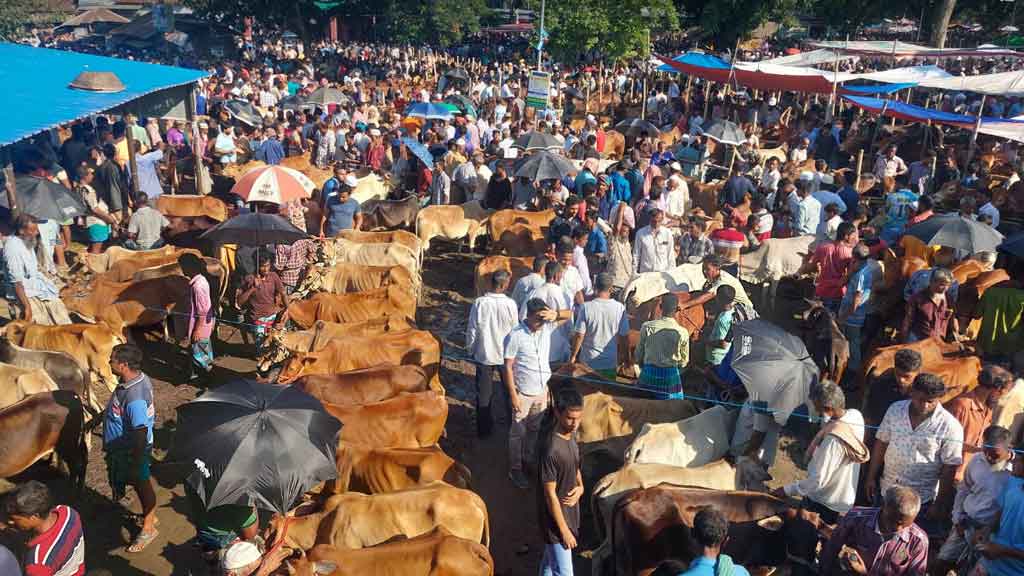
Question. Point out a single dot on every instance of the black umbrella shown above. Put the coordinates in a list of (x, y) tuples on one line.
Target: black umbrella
[(44, 199), (1014, 245), (464, 104), (295, 102), (325, 95), (254, 443), (573, 92), (544, 166), (773, 365), (254, 229), (633, 127), (457, 74), (726, 132), (244, 112), (954, 231), (534, 140)]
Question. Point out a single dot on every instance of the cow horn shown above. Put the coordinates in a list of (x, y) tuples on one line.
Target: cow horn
[(771, 523)]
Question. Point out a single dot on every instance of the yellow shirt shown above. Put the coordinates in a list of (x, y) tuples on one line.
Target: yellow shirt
[(663, 343)]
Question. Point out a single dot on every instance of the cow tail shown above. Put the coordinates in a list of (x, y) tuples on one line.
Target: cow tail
[(71, 446)]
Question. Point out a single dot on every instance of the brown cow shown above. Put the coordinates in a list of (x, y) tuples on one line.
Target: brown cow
[(89, 344), (345, 277), (125, 270), (18, 383), (614, 145), (391, 213), (357, 387), (100, 263), (521, 240), (41, 424), (409, 420), (354, 307), (120, 305), (214, 271), (354, 520), (452, 222), (281, 344), (960, 373), (381, 470), (62, 368), (403, 237), (504, 219), (192, 207), (436, 553), (517, 267)]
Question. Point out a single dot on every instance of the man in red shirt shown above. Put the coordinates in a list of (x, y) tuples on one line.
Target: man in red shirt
[(832, 260), (928, 312), (729, 242), (57, 544)]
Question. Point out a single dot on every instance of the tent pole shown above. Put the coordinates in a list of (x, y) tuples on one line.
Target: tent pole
[(190, 116), (732, 160), (133, 182), (974, 133), (835, 87), (707, 98), (860, 166), (931, 181), (874, 135)]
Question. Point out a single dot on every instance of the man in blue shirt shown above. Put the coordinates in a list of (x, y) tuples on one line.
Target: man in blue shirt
[(271, 151), (1004, 553), (128, 437), (341, 211), (856, 302), (710, 529), (620, 190)]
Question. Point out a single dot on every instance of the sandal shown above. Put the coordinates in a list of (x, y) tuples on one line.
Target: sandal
[(141, 541)]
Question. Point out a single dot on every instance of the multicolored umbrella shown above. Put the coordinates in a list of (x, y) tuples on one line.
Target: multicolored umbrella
[(463, 104), (274, 184), (429, 111)]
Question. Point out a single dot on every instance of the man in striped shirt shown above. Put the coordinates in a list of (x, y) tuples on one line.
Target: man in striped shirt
[(57, 544), (728, 242)]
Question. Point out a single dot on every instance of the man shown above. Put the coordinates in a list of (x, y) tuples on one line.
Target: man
[(148, 166), (652, 248), (341, 211), (710, 531), (663, 351), (57, 544), (291, 261), (200, 317), (798, 155), (806, 211), (573, 281), (977, 497), (889, 165), (565, 223), (30, 295), (728, 243), (694, 245), (856, 302), (892, 386), (836, 455), (560, 301), (1003, 554), (920, 445), (440, 186), (527, 284), (491, 318), (243, 558), (527, 349), (832, 260), (929, 312), (271, 151), (973, 409), (108, 182), (714, 278), (879, 540), (601, 329), (677, 196), (561, 481), (128, 437), (146, 225), (262, 296), (736, 189)]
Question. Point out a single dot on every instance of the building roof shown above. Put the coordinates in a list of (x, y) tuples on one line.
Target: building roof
[(95, 16), (43, 101)]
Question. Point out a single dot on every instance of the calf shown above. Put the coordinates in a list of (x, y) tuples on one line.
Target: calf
[(100, 263), (89, 344), (403, 237), (695, 441), (382, 470), (449, 222), (517, 267), (62, 368), (502, 220), (358, 387), (126, 269), (121, 305), (41, 424), (214, 271), (354, 307), (411, 420), (521, 240)]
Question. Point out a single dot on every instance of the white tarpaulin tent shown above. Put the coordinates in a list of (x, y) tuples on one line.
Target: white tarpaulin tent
[(899, 49), (998, 84), (812, 58)]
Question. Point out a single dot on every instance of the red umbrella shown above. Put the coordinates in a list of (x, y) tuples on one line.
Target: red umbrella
[(792, 51), (274, 184)]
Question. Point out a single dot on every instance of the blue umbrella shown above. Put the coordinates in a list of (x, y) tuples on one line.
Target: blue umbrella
[(429, 111), (1014, 245), (419, 150)]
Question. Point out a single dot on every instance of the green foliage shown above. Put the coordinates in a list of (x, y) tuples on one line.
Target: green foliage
[(615, 29), (18, 15)]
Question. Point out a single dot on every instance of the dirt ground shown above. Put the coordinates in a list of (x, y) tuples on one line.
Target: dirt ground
[(448, 292)]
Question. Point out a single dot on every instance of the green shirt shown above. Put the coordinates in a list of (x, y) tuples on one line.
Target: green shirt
[(663, 343)]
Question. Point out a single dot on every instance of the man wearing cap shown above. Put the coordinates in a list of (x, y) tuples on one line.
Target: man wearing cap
[(340, 210), (243, 558), (663, 351)]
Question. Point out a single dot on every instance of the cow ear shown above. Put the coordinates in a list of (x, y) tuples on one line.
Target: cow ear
[(324, 567), (771, 523)]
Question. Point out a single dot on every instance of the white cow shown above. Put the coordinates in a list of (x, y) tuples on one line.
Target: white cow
[(774, 260), (696, 441), (648, 285)]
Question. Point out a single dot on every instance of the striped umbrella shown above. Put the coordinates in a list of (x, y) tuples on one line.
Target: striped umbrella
[(274, 184)]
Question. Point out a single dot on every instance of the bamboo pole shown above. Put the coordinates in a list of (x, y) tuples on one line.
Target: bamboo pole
[(860, 166), (974, 133), (707, 98)]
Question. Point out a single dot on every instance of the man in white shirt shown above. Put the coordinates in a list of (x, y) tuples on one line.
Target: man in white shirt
[(600, 328), (653, 249), (558, 299), (573, 282), (491, 318), (889, 165), (988, 209), (527, 284), (835, 456), (678, 192)]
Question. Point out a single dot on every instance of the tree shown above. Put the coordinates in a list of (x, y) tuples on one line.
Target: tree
[(19, 15), (615, 29), (726, 21), (940, 22)]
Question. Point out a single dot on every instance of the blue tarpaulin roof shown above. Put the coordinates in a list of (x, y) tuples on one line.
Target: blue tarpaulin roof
[(696, 59), (1001, 127), (877, 88), (36, 95)]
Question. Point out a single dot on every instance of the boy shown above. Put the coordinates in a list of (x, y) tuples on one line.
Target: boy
[(57, 544), (562, 484)]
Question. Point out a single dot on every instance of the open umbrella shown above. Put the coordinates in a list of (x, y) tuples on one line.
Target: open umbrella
[(254, 229), (274, 184), (544, 166), (573, 92), (244, 112), (44, 199), (634, 127), (294, 102), (457, 74), (1014, 245), (954, 231), (419, 150), (464, 104), (534, 140), (428, 110), (325, 95), (256, 444), (773, 365), (726, 132)]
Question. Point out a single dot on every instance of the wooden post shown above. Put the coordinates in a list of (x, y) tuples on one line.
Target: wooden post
[(835, 89), (686, 96), (931, 181), (190, 117), (133, 167), (974, 133), (860, 165), (643, 100), (707, 99)]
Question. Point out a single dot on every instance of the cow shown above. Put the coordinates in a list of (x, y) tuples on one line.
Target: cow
[(121, 305), (825, 341), (380, 470), (647, 286), (450, 222), (415, 347), (403, 237), (959, 373), (502, 220), (342, 250), (281, 344), (62, 368), (614, 145), (17, 383), (691, 442), (775, 259), (125, 270), (192, 207), (357, 387), (689, 316), (521, 240), (369, 188), (41, 424), (353, 520), (390, 214), (353, 307), (214, 271), (517, 267), (409, 420), (435, 553), (100, 263), (346, 277), (89, 344)]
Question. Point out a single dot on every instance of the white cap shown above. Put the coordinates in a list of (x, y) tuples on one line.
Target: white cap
[(461, 142), (827, 179), (511, 153), (374, 132), (806, 176), (772, 101), (239, 555), (351, 181), (675, 166)]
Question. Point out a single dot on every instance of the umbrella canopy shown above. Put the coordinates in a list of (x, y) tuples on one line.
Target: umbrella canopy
[(243, 111), (1014, 245), (953, 231), (544, 166), (634, 127), (274, 184), (573, 92), (419, 150), (457, 74), (726, 132), (44, 199), (325, 95), (255, 443), (294, 102), (428, 110), (773, 365), (464, 104), (534, 140), (254, 229)]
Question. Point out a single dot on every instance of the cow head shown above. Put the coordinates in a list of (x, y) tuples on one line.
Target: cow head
[(274, 351), (295, 367), (303, 566), (751, 474)]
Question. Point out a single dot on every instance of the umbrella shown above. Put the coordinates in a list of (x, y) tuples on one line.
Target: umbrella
[(256, 443), (954, 231), (544, 166), (274, 184), (428, 110), (633, 127), (457, 74), (44, 199), (419, 150), (243, 111), (295, 102), (465, 105), (573, 92), (325, 95), (726, 132), (534, 140), (773, 365), (1014, 245), (254, 229)]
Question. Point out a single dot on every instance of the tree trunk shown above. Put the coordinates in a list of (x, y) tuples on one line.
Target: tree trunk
[(941, 14)]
